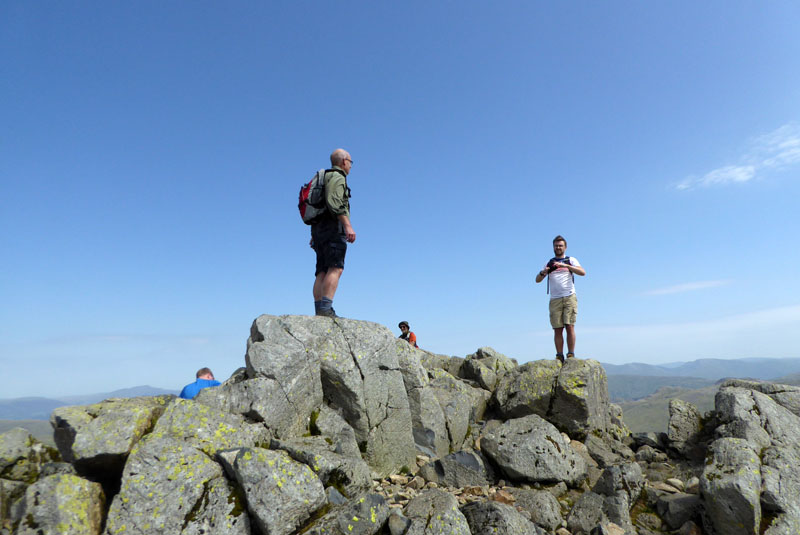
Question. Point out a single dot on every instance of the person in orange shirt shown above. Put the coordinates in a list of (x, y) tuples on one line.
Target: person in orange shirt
[(407, 335)]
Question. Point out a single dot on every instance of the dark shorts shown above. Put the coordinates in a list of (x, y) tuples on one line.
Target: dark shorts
[(330, 245)]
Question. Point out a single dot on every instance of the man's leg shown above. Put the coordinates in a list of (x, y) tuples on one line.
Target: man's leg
[(570, 339), (330, 282), (318, 286), (558, 338)]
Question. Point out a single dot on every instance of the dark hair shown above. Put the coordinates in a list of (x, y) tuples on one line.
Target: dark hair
[(559, 238), (403, 323), (203, 371)]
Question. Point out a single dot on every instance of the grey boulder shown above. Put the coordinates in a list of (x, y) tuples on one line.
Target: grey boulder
[(677, 509), (526, 389), (731, 487), (461, 469), (281, 494), (164, 484), (22, 456), (542, 507), (486, 366), (586, 513), (364, 515), (329, 424), (684, 426), (786, 396), (98, 438), (581, 404), (460, 403), (60, 504), (428, 422), (755, 417), (490, 518), (532, 449), (360, 376), (208, 428), (350, 475), (435, 512)]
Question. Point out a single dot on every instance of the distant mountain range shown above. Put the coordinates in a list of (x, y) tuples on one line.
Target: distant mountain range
[(36, 408), (764, 369)]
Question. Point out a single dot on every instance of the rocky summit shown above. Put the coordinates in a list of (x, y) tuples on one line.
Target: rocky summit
[(333, 426)]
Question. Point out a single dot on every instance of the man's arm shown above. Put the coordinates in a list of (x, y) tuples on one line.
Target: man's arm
[(540, 276), (350, 234), (577, 270), (336, 197)]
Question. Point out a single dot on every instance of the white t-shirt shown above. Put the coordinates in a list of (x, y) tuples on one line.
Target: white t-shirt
[(561, 280)]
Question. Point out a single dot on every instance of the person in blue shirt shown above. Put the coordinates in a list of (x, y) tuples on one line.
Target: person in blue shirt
[(205, 379)]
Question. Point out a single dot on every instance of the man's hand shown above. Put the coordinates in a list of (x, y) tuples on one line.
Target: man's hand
[(350, 234)]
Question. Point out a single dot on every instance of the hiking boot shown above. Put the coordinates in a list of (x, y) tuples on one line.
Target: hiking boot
[(570, 355), (329, 312), (560, 358)]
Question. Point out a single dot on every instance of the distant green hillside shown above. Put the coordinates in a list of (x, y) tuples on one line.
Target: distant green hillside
[(40, 429), (633, 387), (652, 413)]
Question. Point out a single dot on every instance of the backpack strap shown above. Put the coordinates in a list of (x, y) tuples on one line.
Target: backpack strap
[(564, 260)]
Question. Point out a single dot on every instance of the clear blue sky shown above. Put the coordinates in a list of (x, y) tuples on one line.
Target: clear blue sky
[(151, 154)]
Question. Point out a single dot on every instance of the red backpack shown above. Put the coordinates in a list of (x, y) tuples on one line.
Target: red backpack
[(312, 198)]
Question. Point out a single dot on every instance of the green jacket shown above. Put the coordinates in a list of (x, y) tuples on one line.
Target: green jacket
[(337, 194)]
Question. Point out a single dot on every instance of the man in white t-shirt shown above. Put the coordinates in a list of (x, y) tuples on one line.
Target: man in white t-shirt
[(560, 272)]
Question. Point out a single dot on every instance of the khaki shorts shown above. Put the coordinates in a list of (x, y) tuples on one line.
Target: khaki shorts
[(563, 311)]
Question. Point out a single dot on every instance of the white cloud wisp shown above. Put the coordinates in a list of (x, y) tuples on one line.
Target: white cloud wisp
[(688, 287), (776, 150)]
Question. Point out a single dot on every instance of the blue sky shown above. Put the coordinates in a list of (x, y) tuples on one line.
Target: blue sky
[(151, 155)]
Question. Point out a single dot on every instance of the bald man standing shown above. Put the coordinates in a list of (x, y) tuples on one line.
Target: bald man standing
[(331, 233)]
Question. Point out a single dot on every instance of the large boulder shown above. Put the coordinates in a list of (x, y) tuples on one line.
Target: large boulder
[(486, 366), (349, 475), (22, 456), (684, 426), (221, 511), (427, 417), (281, 494), (98, 438), (780, 476), (460, 469), (61, 504), (527, 389), (329, 424), (679, 508), (581, 405), (731, 487), (364, 515), (786, 396), (360, 377), (533, 450), (435, 512), (494, 518), (166, 485), (11, 493), (623, 480), (586, 513), (265, 400), (542, 507), (572, 396), (282, 360), (460, 403), (209, 429), (755, 417)]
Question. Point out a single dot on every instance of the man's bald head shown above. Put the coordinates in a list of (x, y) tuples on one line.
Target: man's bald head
[(339, 156)]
